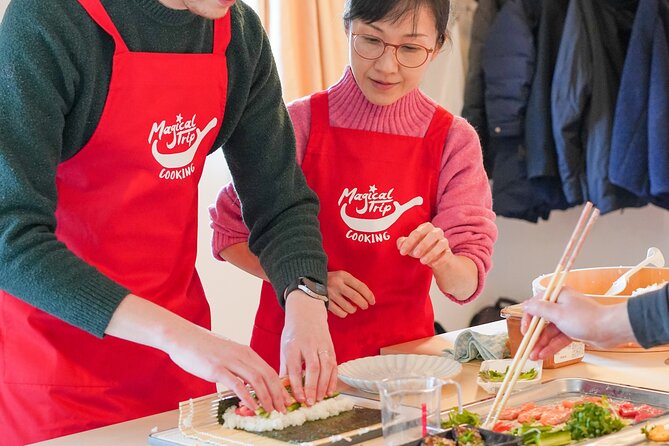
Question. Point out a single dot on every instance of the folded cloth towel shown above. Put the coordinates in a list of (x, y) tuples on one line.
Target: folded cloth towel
[(470, 345)]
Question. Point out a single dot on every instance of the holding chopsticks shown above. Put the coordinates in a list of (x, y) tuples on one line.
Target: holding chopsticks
[(583, 226)]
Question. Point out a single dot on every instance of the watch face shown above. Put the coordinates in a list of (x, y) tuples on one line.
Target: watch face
[(315, 287)]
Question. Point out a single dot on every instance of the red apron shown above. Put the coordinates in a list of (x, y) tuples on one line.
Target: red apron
[(373, 188), (127, 204)]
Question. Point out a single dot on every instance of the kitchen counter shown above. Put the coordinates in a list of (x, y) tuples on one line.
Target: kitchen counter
[(642, 369)]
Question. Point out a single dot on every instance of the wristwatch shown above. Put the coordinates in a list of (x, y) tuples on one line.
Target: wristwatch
[(311, 288)]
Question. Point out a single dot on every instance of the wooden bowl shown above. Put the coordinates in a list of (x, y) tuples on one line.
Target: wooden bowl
[(594, 282)]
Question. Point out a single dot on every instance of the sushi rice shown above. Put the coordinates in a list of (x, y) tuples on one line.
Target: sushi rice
[(278, 421)]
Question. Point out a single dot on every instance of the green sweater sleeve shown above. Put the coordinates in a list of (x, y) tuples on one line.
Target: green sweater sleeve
[(56, 66), (38, 88), (278, 207)]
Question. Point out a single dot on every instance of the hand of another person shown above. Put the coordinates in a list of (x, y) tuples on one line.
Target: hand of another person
[(306, 341), (576, 316), (214, 358), (347, 294), (427, 244)]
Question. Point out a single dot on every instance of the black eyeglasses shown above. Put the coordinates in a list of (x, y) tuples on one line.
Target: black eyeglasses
[(409, 55)]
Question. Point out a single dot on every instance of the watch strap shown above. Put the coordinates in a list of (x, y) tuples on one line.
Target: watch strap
[(310, 287)]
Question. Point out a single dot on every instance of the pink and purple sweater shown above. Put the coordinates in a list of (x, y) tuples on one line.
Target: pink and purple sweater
[(464, 208)]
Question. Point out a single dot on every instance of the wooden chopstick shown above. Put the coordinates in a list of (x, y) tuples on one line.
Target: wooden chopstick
[(573, 247)]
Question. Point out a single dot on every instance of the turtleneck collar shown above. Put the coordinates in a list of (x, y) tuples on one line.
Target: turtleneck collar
[(161, 13), (349, 108)]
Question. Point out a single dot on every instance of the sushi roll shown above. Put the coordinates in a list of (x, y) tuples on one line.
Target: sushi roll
[(233, 414)]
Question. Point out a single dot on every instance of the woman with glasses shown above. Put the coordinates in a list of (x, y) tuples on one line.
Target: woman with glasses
[(404, 196)]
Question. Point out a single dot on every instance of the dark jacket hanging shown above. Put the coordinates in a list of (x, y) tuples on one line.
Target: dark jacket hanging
[(541, 160), (584, 90), (640, 145), (474, 103), (542, 169), (508, 62), (659, 103)]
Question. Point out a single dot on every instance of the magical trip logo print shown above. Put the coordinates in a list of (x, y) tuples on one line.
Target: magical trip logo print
[(370, 214), (179, 142)]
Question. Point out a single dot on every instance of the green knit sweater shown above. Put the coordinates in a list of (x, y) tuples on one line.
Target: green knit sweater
[(55, 67)]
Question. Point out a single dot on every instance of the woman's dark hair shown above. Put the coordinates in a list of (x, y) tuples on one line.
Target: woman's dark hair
[(393, 10)]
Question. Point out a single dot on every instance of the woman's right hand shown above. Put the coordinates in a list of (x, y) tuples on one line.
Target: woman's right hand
[(347, 294)]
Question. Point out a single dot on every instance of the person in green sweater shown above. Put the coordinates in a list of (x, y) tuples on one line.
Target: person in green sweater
[(108, 110)]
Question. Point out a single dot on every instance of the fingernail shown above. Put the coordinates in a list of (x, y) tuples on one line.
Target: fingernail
[(310, 402)]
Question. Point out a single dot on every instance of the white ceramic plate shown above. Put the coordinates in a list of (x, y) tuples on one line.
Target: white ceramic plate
[(500, 365), (363, 373)]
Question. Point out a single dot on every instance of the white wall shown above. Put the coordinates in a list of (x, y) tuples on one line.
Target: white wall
[(3, 6)]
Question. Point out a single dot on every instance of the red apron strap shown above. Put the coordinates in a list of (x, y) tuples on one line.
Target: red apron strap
[(440, 125), (100, 16), (320, 116), (437, 134), (222, 34)]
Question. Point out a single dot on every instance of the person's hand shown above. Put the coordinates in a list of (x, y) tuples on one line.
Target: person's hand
[(306, 341), (214, 358), (576, 316), (427, 244), (347, 294), (199, 351)]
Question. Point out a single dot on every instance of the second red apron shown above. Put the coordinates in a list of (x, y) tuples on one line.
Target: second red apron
[(373, 188)]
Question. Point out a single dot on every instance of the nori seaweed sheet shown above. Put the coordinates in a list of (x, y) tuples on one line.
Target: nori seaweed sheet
[(350, 420), (223, 405), (357, 418)]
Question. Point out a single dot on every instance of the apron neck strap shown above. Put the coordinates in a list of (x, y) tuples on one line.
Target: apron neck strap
[(222, 33), (320, 115), (440, 125), (100, 16)]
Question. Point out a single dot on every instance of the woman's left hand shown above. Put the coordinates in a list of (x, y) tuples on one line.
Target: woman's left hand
[(427, 244)]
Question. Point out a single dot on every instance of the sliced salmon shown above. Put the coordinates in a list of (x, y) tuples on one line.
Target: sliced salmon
[(530, 415), (510, 413), (555, 415)]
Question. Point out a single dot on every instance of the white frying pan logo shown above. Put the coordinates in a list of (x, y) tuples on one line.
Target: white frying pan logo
[(373, 202), (180, 133)]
